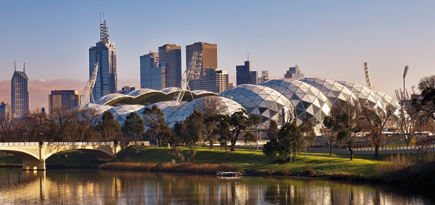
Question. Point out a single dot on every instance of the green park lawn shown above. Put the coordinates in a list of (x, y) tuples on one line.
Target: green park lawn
[(255, 161), (250, 161)]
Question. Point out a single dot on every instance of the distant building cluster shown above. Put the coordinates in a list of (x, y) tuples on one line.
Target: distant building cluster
[(293, 97)]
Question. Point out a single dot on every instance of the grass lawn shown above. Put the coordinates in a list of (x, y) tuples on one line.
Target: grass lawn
[(250, 161), (322, 163)]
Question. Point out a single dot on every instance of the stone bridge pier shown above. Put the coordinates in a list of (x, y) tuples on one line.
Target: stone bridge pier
[(34, 154)]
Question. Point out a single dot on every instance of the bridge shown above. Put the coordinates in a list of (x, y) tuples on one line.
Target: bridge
[(34, 154)]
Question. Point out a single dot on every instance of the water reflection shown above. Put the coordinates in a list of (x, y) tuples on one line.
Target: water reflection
[(108, 187)]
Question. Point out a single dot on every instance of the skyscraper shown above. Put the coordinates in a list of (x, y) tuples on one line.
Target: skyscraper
[(244, 75), (214, 81), (294, 73), (104, 52), (5, 111), (152, 73), (170, 57), (63, 99), (209, 55), (19, 92)]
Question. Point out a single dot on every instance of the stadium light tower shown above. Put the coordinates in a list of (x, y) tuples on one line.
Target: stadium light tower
[(404, 77)]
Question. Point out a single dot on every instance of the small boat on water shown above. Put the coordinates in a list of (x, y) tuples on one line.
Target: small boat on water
[(228, 175)]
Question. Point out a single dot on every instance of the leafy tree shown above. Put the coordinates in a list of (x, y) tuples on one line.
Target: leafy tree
[(240, 122), (272, 131), (250, 137), (195, 129), (109, 128), (176, 139), (308, 132), (134, 128), (291, 140), (153, 117), (225, 135), (425, 106), (211, 107)]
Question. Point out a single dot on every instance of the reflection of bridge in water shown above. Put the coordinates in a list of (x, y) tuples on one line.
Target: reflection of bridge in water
[(34, 154)]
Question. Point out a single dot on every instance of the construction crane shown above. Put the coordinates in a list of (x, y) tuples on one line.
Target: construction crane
[(367, 74), (192, 72), (87, 96)]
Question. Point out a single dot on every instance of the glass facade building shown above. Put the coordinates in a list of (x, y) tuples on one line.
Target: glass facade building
[(104, 52), (20, 101)]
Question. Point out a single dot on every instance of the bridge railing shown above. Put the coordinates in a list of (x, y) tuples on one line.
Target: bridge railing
[(53, 143), (18, 143)]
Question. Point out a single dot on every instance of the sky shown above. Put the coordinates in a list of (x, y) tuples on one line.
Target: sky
[(327, 39)]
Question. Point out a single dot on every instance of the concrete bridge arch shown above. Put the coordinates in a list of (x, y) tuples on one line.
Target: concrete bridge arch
[(34, 154)]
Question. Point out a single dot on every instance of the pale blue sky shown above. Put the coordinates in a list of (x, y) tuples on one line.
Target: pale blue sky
[(329, 39)]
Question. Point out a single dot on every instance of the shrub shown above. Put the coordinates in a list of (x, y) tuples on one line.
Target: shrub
[(308, 171), (395, 163)]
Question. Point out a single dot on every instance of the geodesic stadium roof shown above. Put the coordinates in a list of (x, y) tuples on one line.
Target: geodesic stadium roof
[(336, 93), (307, 100), (364, 94), (146, 96), (261, 100), (214, 104)]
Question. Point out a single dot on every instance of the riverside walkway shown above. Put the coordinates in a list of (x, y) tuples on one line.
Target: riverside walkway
[(34, 154)]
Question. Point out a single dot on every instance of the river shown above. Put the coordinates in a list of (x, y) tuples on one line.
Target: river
[(127, 187)]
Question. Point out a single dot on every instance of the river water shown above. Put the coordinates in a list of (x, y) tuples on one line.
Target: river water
[(126, 187)]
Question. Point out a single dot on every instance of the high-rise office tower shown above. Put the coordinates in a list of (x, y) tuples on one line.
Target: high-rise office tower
[(214, 81), (63, 99), (244, 75), (170, 58), (294, 73), (209, 55), (104, 52), (152, 73), (20, 93)]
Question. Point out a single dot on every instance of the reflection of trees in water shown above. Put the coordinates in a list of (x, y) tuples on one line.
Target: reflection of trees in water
[(108, 187)]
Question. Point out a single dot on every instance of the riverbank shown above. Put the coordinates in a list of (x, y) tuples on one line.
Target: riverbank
[(336, 166), (255, 162)]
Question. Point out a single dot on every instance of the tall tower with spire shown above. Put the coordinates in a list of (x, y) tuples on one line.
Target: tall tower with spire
[(20, 92), (104, 52)]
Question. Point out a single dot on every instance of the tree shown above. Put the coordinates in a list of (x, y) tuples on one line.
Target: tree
[(211, 107), (157, 126), (291, 140), (225, 135), (272, 131), (195, 130), (425, 106), (249, 137), (329, 132), (240, 122), (176, 139), (109, 128), (134, 128), (6, 128), (308, 132), (374, 121)]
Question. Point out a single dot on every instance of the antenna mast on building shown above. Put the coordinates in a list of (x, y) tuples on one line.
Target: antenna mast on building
[(15, 66), (24, 67)]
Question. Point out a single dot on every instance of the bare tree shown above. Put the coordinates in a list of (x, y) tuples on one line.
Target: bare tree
[(375, 121)]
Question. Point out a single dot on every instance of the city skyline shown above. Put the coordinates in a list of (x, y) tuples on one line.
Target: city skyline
[(325, 39)]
